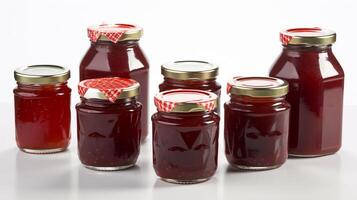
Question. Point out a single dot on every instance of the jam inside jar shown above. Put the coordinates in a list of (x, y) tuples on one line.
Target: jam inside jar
[(189, 74), (108, 123), (115, 52), (316, 84), (185, 136), (256, 123), (42, 109)]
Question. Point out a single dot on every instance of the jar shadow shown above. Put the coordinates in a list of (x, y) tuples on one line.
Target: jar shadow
[(41, 175)]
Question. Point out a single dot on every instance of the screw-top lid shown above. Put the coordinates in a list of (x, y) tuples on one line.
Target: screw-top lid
[(307, 36), (257, 87), (114, 32), (41, 74), (108, 88), (185, 100), (189, 70)]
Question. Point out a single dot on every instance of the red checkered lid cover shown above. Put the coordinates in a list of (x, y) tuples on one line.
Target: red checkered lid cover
[(108, 88), (114, 32), (185, 100), (306, 36)]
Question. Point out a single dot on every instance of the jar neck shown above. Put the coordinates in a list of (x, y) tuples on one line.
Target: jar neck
[(255, 100), (185, 114), (191, 82), (304, 48), (107, 103), (50, 86), (100, 44)]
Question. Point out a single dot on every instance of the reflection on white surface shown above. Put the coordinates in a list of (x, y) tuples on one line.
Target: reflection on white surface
[(61, 176)]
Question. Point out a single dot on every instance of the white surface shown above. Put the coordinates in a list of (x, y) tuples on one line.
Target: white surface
[(240, 36), (61, 176)]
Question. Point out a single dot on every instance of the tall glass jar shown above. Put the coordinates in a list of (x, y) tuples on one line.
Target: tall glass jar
[(115, 52), (256, 125), (108, 123), (185, 135), (42, 108), (190, 74), (316, 83)]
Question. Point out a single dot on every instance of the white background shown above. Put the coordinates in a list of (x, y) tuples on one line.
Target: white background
[(240, 36)]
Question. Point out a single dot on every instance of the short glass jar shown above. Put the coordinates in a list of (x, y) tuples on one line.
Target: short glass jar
[(256, 123), (42, 108), (316, 85), (108, 123), (185, 135), (190, 74)]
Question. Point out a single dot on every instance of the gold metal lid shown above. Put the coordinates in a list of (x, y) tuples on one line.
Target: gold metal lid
[(185, 100), (41, 74), (189, 70), (308, 36), (257, 87), (111, 88)]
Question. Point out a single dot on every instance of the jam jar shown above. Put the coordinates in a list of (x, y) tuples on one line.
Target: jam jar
[(185, 135), (42, 108), (256, 124), (115, 52), (190, 74), (316, 82), (108, 123)]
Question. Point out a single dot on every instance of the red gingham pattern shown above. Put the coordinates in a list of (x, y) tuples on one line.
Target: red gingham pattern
[(110, 87), (112, 31), (164, 105), (285, 39)]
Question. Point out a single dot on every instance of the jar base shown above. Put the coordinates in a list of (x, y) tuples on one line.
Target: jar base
[(115, 168), (43, 151), (254, 168), (184, 182), (309, 156)]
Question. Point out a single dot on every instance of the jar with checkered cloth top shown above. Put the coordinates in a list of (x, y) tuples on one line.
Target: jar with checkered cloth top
[(185, 135), (108, 123)]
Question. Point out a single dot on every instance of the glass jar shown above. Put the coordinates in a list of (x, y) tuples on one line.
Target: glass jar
[(42, 108), (316, 82), (190, 74), (256, 123), (185, 135), (108, 123), (115, 52)]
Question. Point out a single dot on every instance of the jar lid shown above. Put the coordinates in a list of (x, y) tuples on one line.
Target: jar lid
[(41, 74), (189, 70), (257, 87), (108, 88), (307, 36), (114, 32), (185, 100)]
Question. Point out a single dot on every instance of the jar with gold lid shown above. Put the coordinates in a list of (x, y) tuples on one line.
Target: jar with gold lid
[(42, 108), (316, 85), (191, 74), (256, 124)]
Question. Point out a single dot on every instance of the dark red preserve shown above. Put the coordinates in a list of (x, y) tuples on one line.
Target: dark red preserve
[(42, 108), (190, 74), (108, 123), (316, 82), (185, 135), (256, 124), (115, 52)]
